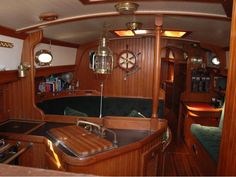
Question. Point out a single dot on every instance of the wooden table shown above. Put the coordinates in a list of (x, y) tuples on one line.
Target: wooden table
[(196, 112)]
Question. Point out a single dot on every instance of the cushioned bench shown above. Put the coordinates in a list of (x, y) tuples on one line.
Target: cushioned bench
[(90, 106), (209, 137)]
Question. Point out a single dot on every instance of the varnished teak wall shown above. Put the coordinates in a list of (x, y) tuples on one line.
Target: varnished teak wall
[(20, 95), (138, 84)]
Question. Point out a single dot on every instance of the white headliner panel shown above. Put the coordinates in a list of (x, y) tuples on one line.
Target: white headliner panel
[(23, 13), (20, 14)]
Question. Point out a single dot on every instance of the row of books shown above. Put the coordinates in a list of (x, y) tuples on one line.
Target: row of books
[(50, 86)]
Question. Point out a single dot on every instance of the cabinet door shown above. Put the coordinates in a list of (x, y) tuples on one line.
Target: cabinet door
[(152, 161)]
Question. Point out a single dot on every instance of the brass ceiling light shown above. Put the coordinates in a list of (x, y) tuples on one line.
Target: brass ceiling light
[(102, 61), (126, 7), (134, 25)]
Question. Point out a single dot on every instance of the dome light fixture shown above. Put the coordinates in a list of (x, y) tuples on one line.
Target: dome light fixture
[(43, 57), (126, 7)]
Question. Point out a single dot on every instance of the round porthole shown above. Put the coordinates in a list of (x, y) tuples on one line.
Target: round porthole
[(215, 61), (43, 57)]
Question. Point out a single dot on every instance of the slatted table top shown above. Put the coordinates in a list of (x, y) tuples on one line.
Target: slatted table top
[(80, 141)]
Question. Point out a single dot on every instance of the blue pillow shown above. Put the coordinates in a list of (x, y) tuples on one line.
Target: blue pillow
[(72, 112)]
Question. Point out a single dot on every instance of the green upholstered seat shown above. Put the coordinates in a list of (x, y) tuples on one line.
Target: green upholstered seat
[(135, 113), (72, 112), (209, 137)]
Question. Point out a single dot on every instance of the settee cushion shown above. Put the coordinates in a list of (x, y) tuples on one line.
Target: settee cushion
[(72, 112), (112, 106), (134, 113), (209, 137)]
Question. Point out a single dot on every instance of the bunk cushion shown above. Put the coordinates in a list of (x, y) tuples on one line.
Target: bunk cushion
[(112, 106), (209, 137), (134, 113), (72, 112)]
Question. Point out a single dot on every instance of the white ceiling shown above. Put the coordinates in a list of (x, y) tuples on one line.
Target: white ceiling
[(85, 26)]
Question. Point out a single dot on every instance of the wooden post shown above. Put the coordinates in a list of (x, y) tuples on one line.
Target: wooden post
[(227, 159), (156, 67), (21, 94)]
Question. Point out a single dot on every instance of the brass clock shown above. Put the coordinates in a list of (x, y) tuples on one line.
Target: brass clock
[(127, 60)]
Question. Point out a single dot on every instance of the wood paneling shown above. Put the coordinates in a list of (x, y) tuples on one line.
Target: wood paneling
[(21, 94), (137, 84), (227, 162)]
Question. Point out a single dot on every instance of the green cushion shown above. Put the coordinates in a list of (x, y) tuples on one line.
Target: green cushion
[(72, 112), (134, 113), (209, 137)]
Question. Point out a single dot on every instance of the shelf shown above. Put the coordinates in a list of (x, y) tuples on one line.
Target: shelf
[(47, 71), (66, 93), (8, 76)]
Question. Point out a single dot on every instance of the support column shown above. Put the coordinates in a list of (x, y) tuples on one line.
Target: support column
[(156, 67)]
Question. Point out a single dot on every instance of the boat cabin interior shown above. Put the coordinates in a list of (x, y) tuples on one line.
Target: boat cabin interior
[(117, 88)]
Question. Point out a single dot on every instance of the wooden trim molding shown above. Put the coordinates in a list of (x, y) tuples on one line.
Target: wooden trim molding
[(47, 71), (12, 33), (8, 76)]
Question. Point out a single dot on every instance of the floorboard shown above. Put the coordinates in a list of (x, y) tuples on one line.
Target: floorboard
[(178, 160)]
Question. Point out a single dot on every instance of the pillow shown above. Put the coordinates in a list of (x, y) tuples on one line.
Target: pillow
[(72, 112), (135, 113)]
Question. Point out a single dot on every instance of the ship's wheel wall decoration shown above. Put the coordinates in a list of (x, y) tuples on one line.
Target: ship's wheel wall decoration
[(127, 60)]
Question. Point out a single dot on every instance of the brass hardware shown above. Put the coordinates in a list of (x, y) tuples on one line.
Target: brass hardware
[(134, 25), (22, 68), (126, 7), (6, 44), (48, 16)]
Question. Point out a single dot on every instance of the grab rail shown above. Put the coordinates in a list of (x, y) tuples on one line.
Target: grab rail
[(167, 141)]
